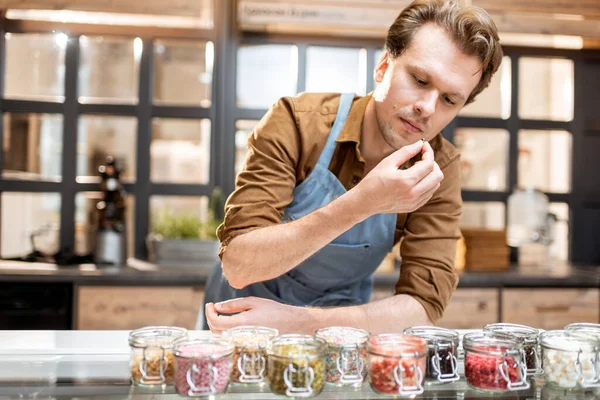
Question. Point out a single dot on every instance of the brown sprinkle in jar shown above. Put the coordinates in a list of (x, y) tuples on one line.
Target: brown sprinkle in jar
[(250, 352)]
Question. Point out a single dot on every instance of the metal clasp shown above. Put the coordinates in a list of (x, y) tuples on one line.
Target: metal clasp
[(254, 361), (162, 368), (435, 364), (521, 367), (342, 363), (193, 371), (288, 378), (579, 370), (418, 374)]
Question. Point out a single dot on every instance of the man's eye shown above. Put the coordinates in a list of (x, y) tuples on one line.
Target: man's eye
[(448, 100), (420, 81)]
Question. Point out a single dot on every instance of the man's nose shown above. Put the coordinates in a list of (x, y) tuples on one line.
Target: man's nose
[(425, 106)]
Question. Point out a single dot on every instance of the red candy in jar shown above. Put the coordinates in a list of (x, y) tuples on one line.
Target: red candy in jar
[(494, 364), (396, 364), (202, 366)]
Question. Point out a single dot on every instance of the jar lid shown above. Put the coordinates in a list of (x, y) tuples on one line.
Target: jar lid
[(491, 343), (564, 340), (297, 346), (162, 336), (586, 328), (343, 336), (522, 332), (203, 347), (250, 336), (396, 345), (434, 334)]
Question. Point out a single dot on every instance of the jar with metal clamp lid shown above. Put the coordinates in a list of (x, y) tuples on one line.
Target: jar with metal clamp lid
[(346, 356), (202, 366), (396, 364), (570, 359), (441, 365), (529, 337), (151, 361), (494, 363), (296, 365), (250, 352)]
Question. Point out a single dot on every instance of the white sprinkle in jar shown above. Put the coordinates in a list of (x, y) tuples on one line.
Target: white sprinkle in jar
[(569, 359)]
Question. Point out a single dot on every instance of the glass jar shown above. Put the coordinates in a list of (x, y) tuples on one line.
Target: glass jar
[(296, 365), (396, 363), (250, 352), (586, 328), (441, 364), (151, 360), (529, 337), (346, 357), (494, 363), (202, 366), (570, 359)]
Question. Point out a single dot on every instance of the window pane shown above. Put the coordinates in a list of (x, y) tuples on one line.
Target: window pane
[(266, 73), (494, 101), (109, 69), (485, 215), (330, 69), (545, 160), (560, 248), (32, 146), (165, 209), (180, 151), (546, 88), (243, 130), (102, 136), (86, 220), (183, 72), (484, 158), (35, 66), (24, 214)]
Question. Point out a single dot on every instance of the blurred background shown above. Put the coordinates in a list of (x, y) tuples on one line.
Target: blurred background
[(171, 90)]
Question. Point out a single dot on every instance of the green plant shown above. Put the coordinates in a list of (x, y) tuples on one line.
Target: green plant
[(170, 225)]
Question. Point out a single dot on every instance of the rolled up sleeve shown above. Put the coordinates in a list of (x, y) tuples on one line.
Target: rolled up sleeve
[(265, 186), (428, 248)]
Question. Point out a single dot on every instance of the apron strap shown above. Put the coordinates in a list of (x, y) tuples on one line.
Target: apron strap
[(340, 119)]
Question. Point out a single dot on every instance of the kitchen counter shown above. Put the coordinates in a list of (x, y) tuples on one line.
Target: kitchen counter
[(82, 364), (143, 273)]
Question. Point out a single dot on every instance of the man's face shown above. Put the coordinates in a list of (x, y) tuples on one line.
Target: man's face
[(423, 89)]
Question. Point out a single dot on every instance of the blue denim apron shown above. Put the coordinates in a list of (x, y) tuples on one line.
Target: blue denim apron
[(341, 273)]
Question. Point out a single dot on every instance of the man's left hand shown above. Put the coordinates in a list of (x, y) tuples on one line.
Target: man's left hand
[(259, 312)]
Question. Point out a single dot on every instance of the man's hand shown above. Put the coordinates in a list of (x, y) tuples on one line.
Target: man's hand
[(257, 311), (390, 190)]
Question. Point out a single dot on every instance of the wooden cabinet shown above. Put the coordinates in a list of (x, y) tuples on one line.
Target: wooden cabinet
[(550, 308), (471, 309), (131, 307)]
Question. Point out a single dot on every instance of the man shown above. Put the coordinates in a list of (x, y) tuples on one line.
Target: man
[(332, 182)]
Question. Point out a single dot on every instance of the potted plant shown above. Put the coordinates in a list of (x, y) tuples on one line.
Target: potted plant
[(180, 240)]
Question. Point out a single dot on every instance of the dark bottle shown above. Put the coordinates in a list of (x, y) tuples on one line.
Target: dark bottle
[(110, 234)]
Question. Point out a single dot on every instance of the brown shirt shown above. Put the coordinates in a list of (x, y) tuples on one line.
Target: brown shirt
[(284, 148)]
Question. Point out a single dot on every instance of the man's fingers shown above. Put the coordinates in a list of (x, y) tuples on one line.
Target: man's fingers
[(429, 183), (401, 156), (219, 323), (235, 305), (423, 167)]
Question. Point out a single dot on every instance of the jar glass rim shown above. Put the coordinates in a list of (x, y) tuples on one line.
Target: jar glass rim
[(486, 342), (219, 347), (351, 337), (396, 345), (571, 341), (434, 334), (310, 346), (520, 331), (162, 336), (250, 335)]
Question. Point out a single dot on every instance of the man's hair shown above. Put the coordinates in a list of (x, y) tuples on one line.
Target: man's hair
[(471, 29)]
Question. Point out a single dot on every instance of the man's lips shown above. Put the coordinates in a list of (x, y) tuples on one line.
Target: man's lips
[(411, 126)]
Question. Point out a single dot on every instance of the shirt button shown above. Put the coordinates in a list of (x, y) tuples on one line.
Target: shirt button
[(355, 180)]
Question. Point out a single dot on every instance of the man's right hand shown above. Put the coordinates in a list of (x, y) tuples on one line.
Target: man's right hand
[(390, 190)]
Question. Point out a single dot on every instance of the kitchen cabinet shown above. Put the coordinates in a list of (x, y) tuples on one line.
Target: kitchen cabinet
[(131, 307)]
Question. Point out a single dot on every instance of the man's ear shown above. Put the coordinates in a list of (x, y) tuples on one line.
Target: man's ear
[(381, 67)]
